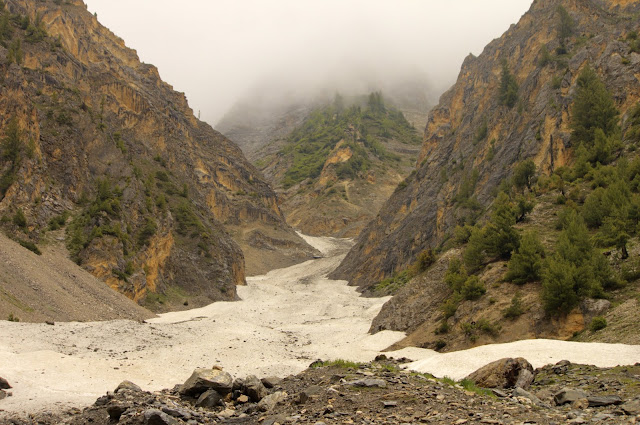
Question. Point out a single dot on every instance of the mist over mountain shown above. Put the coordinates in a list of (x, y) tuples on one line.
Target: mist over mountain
[(219, 52)]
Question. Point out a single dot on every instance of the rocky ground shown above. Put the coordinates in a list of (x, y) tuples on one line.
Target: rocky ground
[(379, 392)]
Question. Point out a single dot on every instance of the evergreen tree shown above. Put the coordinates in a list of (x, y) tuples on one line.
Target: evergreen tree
[(508, 87), (593, 109), (566, 26), (523, 174), (500, 237), (526, 263)]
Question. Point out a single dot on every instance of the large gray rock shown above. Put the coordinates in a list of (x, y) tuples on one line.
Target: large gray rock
[(568, 395), (4, 385), (603, 400), (207, 379), (271, 381), (504, 373), (631, 407), (369, 383), (254, 388), (210, 399), (127, 385), (270, 401), (157, 417)]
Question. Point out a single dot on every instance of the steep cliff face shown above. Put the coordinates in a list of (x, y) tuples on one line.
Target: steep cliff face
[(472, 140), (149, 194)]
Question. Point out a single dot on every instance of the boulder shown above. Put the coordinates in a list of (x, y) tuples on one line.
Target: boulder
[(207, 379), (309, 393), (254, 389), (127, 385), (270, 401), (369, 383), (210, 399), (519, 392), (116, 410), (631, 407), (271, 381), (504, 373), (4, 385), (603, 400), (157, 417), (568, 395)]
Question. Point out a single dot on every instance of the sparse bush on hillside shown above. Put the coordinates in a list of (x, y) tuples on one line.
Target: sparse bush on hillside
[(515, 309), (598, 323), (508, 87), (566, 26)]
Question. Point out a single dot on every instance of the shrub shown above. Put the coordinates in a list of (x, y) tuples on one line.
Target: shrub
[(19, 219), (472, 289), (598, 323), (30, 246), (425, 260), (146, 233), (508, 87), (515, 309)]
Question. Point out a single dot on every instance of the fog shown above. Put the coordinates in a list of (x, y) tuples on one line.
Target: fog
[(220, 51)]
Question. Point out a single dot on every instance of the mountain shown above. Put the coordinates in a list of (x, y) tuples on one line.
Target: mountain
[(154, 202), (333, 162), (527, 161)]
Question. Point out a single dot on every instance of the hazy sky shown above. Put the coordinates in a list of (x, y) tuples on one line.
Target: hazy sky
[(216, 51)]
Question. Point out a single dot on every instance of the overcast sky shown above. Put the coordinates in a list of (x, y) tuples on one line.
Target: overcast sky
[(217, 51)]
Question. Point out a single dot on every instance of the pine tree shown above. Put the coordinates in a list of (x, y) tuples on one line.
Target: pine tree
[(593, 109), (508, 87), (526, 263)]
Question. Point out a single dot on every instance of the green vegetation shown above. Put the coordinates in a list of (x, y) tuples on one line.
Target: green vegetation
[(515, 309), (58, 221), (598, 323), (362, 130), (575, 270), (594, 117), (30, 246), (470, 385), (10, 151), (566, 27), (343, 364), (19, 219), (526, 262), (508, 87), (12, 318)]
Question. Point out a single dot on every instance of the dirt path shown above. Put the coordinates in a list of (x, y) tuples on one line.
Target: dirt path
[(286, 319)]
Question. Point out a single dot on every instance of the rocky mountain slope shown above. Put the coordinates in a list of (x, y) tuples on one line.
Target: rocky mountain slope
[(334, 171), (521, 144), (154, 202), (376, 392), (47, 288)]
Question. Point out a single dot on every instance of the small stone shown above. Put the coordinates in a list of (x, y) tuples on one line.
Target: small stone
[(4, 385), (243, 399), (580, 404), (49, 322), (309, 393), (499, 393), (389, 403), (270, 401), (3, 394)]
